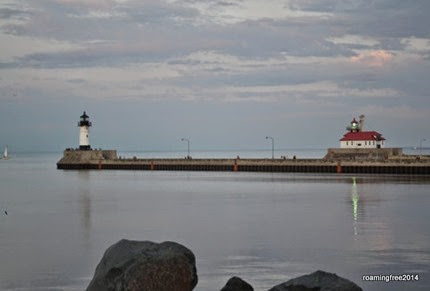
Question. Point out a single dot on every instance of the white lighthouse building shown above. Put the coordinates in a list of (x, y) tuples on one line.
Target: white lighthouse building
[(84, 132), (357, 138)]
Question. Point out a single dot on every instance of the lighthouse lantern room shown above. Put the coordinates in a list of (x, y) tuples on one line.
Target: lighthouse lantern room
[(84, 132)]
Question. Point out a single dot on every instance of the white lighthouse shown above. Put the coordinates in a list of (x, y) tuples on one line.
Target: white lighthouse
[(84, 132)]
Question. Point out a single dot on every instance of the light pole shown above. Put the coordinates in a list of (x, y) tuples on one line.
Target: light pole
[(421, 145), (273, 146), (188, 142)]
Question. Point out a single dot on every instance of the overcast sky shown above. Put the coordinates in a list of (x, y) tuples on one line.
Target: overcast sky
[(222, 73)]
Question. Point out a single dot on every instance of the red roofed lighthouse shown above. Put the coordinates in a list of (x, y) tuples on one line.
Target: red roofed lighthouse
[(357, 138)]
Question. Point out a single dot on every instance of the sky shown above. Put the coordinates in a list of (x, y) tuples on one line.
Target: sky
[(224, 74)]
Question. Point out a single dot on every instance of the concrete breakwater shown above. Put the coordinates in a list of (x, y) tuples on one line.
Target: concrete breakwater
[(108, 160)]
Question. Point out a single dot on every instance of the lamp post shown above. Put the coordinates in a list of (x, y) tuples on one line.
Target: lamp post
[(273, 146), (188, 142), (421, 145)]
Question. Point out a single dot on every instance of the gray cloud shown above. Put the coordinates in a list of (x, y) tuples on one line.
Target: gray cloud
[(387, 18), (137, 32), (7, 13), (307, 59)]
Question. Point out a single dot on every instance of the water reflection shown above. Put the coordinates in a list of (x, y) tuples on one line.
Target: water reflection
[(85, 203), (354, 198)]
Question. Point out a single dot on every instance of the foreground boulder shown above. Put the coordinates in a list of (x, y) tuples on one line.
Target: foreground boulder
[(237, 284), (145, 266), (317, 281)]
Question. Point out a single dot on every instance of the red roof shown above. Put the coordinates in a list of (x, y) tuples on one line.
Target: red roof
[(362, 135)]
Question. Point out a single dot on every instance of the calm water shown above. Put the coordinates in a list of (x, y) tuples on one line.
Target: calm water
[(265, 228)]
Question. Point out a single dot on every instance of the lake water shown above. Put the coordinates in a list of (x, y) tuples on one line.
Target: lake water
[(266, 228)]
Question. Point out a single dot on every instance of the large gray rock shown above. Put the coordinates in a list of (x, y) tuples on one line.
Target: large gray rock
[(237, 284), (317, 281), (145, 266)]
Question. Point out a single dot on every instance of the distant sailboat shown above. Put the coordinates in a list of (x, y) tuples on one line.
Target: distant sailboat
[(5, 155)]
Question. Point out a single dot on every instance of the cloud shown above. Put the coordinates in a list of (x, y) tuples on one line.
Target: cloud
[(15, 47), (93, 4), (397, 112), (416, 44), (167, 81), (227, 13), (192, 44), (355, 40), (378, 58), (98, 14), (305, 92), (7, 13), (324, 58), (382, 18)]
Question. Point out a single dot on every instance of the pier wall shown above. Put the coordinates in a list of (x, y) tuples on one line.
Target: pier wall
[(73, 156), (98, 162), (363, 154)]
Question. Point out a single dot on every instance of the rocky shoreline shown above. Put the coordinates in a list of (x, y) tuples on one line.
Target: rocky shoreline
[(169, 266)]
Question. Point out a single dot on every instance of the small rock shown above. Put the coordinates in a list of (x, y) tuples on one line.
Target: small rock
[(237, 284), (145, 266), (317, 281)]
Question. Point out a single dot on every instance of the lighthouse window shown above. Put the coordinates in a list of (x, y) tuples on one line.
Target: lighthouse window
[(346, 143), (365, 143)]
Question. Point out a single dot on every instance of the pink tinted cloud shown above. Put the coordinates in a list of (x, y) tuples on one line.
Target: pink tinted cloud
[(377, 58)]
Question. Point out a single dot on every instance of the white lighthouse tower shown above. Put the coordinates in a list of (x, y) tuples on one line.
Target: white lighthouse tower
[(84, 132)]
